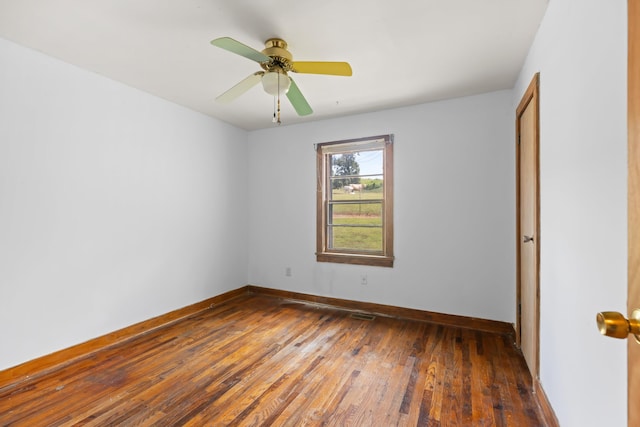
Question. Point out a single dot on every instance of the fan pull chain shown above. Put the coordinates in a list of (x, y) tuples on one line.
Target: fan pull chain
[(279, 122), (276, 119), (274, 110)]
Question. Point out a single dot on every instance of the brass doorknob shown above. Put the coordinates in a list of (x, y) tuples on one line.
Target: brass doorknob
[(615, 325)]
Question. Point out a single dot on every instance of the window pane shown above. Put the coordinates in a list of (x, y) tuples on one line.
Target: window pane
[(344, 164), (359, 214), (357, 173), (358, 238), (370, 162), (357, 163), (371, 187)]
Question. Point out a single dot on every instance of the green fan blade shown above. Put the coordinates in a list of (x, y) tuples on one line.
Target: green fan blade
[(300, 104), (240, 88), (227, 43)]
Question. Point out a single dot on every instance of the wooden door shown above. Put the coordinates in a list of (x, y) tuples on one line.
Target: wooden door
[(528, 244), (633, 279)]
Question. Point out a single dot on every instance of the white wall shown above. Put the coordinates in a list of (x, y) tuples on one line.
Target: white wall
[(580, 51), (115, 206), (454, 208)]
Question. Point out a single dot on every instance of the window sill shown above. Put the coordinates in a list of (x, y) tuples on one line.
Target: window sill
[(372, 260)]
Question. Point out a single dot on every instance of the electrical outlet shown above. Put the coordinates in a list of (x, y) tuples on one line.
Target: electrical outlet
[(363, 280), (287, 272)]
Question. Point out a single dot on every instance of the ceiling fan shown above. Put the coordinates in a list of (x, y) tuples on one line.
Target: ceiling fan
[(277, 61)]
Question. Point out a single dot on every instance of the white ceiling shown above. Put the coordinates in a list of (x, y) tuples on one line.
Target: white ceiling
[(402, 52)]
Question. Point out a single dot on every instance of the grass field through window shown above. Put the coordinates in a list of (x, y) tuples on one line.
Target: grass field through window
[(351, 217)]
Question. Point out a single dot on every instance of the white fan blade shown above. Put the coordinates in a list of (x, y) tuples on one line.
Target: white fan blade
[(240, 88)]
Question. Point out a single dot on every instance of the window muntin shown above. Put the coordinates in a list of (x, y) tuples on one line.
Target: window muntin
[(355, 201)]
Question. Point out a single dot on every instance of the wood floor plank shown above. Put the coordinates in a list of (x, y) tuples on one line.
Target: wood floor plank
[(261, 360), (481, 400)]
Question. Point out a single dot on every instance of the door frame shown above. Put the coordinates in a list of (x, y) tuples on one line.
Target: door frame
[(633, 203), (530, 95)]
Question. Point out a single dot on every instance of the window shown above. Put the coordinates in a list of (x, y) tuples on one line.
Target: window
[(355, 201)]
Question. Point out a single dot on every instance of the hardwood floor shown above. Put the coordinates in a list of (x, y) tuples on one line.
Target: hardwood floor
[(259, 360)]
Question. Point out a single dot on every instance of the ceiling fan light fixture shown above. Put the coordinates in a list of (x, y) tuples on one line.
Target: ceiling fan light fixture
[(276, 83)]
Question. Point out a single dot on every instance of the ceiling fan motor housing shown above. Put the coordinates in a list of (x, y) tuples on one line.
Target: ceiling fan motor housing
[(281, 58)]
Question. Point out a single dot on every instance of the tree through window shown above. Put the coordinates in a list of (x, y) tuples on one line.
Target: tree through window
[(355, 201)]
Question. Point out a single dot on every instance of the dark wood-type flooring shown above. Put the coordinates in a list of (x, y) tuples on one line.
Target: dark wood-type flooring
[(258, 360)]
